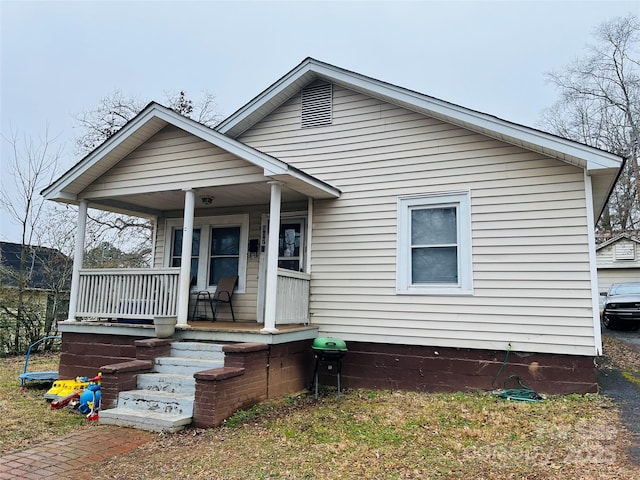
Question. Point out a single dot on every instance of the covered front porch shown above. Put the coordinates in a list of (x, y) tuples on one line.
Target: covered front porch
[(218, 208), (272, 291)]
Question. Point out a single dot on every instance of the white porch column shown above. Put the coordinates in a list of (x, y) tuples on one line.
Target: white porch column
[(185, 258), (271, 290), (78, 257)]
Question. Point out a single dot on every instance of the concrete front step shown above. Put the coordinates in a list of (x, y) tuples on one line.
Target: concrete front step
[(164, 399), (163, 402), (202, 350), (185, 365), (148, 420), (167, 382)]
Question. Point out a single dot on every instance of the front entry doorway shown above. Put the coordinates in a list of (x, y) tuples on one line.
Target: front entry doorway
[(291, 251)]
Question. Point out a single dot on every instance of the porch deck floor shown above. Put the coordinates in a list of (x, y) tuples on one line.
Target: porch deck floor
[(241, 327), (244, 332), (222, 331)]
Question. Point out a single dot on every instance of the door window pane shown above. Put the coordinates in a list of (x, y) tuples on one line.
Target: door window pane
[(289, 246)]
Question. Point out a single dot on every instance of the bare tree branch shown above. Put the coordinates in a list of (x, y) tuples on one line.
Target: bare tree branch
[(599, 105), (99, 124), (32, 167)]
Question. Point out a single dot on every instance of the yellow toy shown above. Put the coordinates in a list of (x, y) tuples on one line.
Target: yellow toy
[(64, 388)]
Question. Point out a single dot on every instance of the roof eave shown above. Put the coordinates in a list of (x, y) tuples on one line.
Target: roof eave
[(58, 190), (268, 100), (616, 239), (531, 139), (134, 133)]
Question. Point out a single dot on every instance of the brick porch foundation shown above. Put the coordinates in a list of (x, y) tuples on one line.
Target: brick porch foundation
[(255, 372)]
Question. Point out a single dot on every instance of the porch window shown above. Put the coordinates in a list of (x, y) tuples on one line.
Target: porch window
[(219, 248), (434, 245), (176, 253), (225, 253)]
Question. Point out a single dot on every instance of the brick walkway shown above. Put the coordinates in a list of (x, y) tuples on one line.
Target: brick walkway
[(73, 456)]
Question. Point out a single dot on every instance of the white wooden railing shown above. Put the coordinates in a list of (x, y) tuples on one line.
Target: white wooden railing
[(128, 293), (292, 305), (148, 293)]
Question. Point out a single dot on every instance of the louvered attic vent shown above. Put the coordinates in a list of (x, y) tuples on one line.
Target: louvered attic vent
[(317, 105)]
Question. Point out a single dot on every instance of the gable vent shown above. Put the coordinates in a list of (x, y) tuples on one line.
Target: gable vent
[(317, 103)]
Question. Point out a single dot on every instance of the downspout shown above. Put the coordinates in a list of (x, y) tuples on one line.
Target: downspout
[(185, 257), (78, 258)]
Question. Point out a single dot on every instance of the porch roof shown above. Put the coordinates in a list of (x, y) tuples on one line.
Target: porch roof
[(154, 117)]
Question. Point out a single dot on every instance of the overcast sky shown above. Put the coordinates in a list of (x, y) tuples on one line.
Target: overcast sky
[(59, 58)]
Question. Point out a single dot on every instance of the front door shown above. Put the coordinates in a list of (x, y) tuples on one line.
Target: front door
[(291, 250)]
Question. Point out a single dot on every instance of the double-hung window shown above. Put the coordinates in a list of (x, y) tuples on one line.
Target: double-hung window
[(219, 248), (176, 252), (434, 244)]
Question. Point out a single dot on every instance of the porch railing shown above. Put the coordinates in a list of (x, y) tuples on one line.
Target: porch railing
[(292, 304), (128, 293), (147, 293)]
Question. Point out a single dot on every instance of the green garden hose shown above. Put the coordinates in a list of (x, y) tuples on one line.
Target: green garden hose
[(522, 394)]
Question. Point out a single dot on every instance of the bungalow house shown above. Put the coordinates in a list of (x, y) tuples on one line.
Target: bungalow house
[(430, 237)]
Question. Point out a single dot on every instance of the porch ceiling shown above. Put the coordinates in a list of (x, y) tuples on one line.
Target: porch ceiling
[(158, 203)]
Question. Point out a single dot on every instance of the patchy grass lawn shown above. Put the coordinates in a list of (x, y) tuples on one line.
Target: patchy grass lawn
[(25, 418), (394, 435), (366, 434)]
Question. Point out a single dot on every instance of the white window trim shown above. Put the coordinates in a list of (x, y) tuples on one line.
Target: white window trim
[(461, 200), (205, 224)]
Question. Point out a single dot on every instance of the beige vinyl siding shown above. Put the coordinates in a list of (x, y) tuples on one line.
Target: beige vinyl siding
[(160, 245), (173, 159), (531, 275)]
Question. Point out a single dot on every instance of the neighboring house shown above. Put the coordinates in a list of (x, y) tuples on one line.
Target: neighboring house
[(42, 266), (430, 237), (47, 281), (618, 261)]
